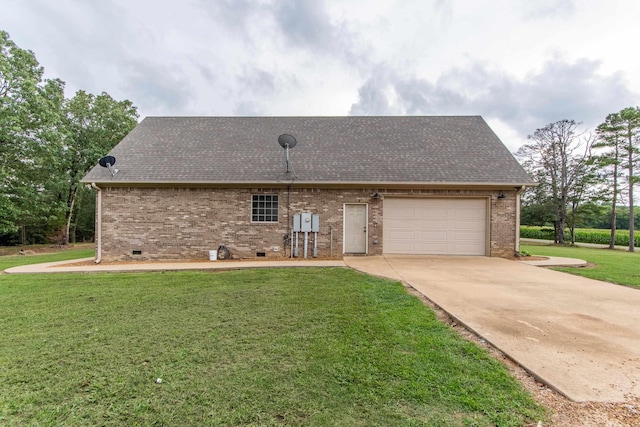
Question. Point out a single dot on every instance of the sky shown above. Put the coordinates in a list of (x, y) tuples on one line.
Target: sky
[(521, 64)]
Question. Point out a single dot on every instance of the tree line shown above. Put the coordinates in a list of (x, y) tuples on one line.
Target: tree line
[(583, 177), (47, 144)]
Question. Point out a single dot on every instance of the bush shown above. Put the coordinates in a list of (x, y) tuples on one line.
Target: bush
[(583, 235), (533, 232)]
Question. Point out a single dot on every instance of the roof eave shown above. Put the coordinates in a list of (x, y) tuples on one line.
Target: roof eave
[(317, 184)]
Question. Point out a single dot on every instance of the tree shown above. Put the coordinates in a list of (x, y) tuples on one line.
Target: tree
[(620, 134), (83, 217), (631, 121), (30, 114), (537, 208), (556, 153), (585, 188), (93, 125), (609, 136), (47, 143)]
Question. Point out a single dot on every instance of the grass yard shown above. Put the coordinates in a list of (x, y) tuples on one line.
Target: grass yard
[(613, 266), (7, 261), (267, 347)]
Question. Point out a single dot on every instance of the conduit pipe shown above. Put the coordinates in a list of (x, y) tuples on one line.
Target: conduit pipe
[(518, 193), (98, 223)]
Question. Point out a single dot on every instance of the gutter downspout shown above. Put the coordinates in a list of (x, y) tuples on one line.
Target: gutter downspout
[(519, 191), (98, 223)]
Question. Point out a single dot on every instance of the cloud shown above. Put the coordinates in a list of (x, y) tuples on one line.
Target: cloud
[(544, 9), (375, 95), (238, 17), (166, 88), (306, 25), (559, 90), (83, 30), (257, 81), (532, 64), (248, 109), (303, 25)]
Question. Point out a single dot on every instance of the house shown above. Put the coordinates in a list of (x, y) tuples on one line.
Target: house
[(379, 185)]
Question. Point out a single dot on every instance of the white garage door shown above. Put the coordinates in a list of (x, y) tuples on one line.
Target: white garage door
[(434, 226)]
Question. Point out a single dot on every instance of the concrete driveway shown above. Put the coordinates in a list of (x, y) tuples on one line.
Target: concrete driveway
[(579, 336)]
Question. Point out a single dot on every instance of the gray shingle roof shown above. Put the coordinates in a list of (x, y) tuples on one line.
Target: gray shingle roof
[(331, 150)]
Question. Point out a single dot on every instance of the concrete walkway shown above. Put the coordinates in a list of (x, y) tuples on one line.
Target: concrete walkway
[(86, 265), (579, 336), (555, 261)]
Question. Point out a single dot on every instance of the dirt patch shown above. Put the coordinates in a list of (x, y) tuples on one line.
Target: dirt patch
[(563, 412), (589, 265)]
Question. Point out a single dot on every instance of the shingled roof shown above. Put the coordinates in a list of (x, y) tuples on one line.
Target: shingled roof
[(330, 150)]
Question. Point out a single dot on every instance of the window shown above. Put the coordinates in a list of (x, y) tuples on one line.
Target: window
[(264, 208)]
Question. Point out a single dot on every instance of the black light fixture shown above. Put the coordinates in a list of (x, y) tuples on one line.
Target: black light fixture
[(501, 195), (375, 195)]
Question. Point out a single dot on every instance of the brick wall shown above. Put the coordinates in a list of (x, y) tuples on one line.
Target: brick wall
[(186, 223)]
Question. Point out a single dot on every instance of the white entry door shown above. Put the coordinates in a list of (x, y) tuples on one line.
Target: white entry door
[(355, 229)]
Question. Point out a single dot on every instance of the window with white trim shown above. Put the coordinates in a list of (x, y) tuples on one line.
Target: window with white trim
[(264, 208)]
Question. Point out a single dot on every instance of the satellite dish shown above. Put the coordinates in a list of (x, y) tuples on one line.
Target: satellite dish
[(108, 162), (287, 141)]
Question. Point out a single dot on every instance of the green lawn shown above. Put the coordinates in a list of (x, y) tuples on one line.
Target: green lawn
[(62, 255), (313, 347), (613, 266)]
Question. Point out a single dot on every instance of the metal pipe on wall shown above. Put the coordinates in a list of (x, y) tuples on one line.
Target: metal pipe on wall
[(98, 223), (517, 201), (331, 241)]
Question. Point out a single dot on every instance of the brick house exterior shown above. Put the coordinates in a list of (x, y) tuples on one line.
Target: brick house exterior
[(167, 211)]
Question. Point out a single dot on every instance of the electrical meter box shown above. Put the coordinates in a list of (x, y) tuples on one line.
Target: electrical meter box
[(305, 222), (315, 223), (296, 223)]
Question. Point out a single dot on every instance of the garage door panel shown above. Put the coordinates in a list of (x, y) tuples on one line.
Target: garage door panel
[(430, 248), (404, 235), (402, 208), (475, 214), (403, 214), (402, 224), (463, 250), (468, 217), (435, 213), (436, 236), (466, 225), (467, 236), (434, 226)]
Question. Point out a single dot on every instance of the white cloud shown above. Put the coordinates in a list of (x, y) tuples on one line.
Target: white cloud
[(520, 64)]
